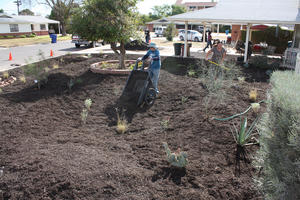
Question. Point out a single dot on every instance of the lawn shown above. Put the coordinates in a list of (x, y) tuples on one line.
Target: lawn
[(28, 41), (46, 152)]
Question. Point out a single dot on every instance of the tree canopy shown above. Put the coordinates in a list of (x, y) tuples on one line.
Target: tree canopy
[(114, 21), (165, 11), (62, 11), (26, 12), (1, 10)]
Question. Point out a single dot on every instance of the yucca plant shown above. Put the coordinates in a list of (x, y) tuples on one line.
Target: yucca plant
[(122, 125), (177, 159), (242, 138)]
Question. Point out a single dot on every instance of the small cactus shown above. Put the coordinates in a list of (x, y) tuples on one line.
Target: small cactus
[(177, 159)]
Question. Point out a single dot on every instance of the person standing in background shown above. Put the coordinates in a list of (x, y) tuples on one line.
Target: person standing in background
[(209, 39)]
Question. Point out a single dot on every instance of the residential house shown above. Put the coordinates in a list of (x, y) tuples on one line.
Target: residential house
[(192, 5), (24, 24)]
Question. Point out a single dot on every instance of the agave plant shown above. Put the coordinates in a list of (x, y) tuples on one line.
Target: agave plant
[(242, 137), (177, 159)]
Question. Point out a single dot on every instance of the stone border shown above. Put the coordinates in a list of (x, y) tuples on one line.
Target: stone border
[(7, 82), (95, 68)]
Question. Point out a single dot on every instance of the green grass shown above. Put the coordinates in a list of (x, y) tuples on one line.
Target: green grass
[(28, 41)]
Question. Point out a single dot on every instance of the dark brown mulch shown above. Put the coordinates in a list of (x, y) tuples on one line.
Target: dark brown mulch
[(47, 153)]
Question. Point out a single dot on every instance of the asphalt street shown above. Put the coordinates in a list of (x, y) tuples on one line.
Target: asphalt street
[(28, 54)]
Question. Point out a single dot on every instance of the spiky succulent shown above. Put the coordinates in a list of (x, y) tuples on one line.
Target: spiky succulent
[(177, 159)]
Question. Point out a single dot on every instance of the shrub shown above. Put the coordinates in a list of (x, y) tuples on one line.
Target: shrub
[(170, 32), (21, 36), (22, 78), (31, 35), (9, 36), (38, 71), (279, 153), (2, 36)]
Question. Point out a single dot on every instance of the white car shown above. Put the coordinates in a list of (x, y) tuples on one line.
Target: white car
[(159, 31), (191, 35)]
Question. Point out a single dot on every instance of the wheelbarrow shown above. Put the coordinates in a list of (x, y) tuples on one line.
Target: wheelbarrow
[(139, 88)]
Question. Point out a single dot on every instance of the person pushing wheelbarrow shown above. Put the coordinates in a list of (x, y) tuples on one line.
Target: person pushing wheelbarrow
[(155, 64)]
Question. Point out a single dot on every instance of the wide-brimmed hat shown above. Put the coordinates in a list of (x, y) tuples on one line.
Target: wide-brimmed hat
[(152, 45)]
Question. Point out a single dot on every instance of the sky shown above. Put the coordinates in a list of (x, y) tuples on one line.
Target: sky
[(9, 7)]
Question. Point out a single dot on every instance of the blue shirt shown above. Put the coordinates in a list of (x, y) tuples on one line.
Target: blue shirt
[(155, 63)]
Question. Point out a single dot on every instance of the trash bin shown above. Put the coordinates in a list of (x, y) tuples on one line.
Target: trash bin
[(188, 49), (177, 48), (53, 38)]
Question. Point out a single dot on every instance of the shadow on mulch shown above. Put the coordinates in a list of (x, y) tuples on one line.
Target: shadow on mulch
[(57, 85), (172, 173)]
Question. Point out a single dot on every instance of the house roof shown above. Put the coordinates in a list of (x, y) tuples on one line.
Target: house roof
[(25, 19), (166, 21), (246, 11)]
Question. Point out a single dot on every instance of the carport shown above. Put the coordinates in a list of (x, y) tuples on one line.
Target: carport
[(245, 12)]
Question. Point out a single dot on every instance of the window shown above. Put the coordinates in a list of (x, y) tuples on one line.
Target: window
[(14, 28), (32, 27), (42, 27), (192, 7)]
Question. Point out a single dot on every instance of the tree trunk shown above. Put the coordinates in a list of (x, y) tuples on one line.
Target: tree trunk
[(122, 55), (63, 29)]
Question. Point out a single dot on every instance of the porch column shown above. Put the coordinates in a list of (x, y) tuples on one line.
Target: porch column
[(185, 39), (246, 45), (218, 29), (58, 28)]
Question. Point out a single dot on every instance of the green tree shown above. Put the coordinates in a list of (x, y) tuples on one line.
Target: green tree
[(176, 10), (26, 12), (114, 21), (1, 10), (161, 11), (62, 10), (165, 11)]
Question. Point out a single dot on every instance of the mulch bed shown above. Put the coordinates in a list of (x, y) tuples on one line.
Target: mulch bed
[(47, 153)]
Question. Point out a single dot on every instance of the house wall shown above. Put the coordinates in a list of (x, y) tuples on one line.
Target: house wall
[(150, 27), (23, 28), (235, 32), (37, 29)]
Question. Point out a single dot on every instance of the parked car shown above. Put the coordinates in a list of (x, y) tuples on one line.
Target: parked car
[(191, 35), (159, 31), (79, 41)]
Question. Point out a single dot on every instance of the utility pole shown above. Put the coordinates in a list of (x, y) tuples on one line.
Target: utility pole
[(18, 3)]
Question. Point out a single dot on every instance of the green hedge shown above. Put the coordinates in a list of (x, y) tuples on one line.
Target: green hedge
[(279, 153), (270, 38)]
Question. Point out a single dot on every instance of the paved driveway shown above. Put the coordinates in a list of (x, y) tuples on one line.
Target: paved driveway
[(23, 54)]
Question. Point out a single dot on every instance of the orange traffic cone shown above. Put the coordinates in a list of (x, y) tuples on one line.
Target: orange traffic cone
[(51, 53), (10, 57)]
